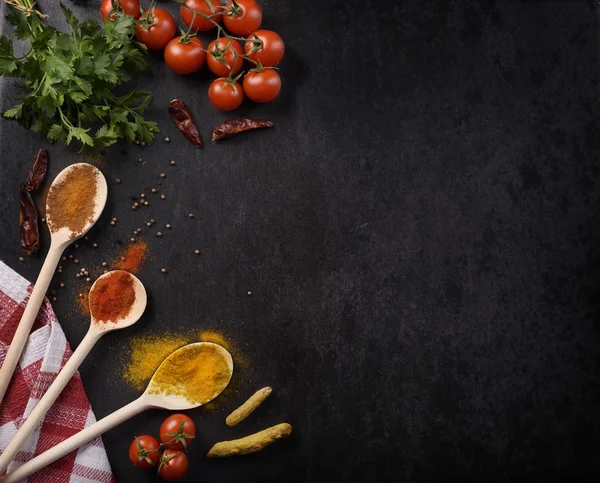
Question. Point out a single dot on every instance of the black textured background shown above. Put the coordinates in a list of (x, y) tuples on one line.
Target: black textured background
[(420, 233)]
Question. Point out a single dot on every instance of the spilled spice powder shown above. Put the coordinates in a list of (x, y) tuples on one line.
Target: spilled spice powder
[(84, 302), (133, 257), (112, 297), (147, 352), (72, 201)]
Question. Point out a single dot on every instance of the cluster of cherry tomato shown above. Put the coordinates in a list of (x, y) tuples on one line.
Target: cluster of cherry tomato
[(185, 54), (176, 432)]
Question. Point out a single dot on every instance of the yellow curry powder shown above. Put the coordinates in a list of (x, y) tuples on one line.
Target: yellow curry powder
[(146, 353), (198, 373)]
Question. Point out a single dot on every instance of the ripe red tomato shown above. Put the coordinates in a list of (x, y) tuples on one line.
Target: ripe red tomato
[(201, 6), (185, 58), (143, 451), (218, 68), (177, 431), (225, 96), (271, 51), (173, 465), (244, 20), (263, 86), (162, 30), (130, 7)]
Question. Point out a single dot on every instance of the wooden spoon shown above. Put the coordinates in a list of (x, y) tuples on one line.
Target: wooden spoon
[(97, 329), (60, 238), (152, 398)]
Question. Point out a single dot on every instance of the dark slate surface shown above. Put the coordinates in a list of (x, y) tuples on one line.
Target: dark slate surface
[(420, 233)]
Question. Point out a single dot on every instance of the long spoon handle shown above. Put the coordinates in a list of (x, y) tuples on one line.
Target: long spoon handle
[(29, 315), (39, 411), (77, 440)]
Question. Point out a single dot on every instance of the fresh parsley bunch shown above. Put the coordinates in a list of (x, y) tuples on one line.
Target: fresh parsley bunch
[(70, 78)]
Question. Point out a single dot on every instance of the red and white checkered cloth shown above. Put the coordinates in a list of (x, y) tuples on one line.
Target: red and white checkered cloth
[(46, 352)]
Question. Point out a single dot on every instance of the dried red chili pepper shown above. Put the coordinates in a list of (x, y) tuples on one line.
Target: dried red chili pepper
[(183, 120), (230, 128), (28, 219), (38, 171)]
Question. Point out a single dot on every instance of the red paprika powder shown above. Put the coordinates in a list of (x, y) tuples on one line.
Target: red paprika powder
[(112, 297)]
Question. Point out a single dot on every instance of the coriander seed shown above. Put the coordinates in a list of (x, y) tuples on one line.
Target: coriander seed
[(163, 175), (197, 252), (117, 181), (94, 245), (88, 280), (158, 234), (168, 226), (61, 285), (76, 261), (167, 140), (153, 190), (163, 197), (104, 264), (172, 163), (148, 224), (163, 270), (191, 215)]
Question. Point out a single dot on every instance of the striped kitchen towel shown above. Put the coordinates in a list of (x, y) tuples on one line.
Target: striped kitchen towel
[(46, 352)]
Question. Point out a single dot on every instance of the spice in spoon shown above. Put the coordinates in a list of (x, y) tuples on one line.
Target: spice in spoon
[(112, 297), (72, 201), (197, 372)]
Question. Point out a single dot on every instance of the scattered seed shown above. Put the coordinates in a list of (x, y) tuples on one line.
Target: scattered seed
[(137, 142), (148, 224), (86, 273), (114, 219), (76, 261), (53, 292), (76, 245), (136, 204), (82, 270), (94, 245), (86, 238), (142, 195), (63, 258), (172, 163), (61, 285), (249, 293), (168, 226), (105, 271), (80, 295), (197, 252), (143, 143), (77, 275), (112, 223), (122, 259), (163, 270), (153, 190), (104, 264), (167, 140), (88, 280), (151, 129), (152, 221), (118, 180), (132, 239), (60, 267), (60, 270), (163, 197), (70, 257), (133, 207), (53, 299), (159, 234), (191, 215), (139, 160), (163, 175), (43, 220), (146, 203)]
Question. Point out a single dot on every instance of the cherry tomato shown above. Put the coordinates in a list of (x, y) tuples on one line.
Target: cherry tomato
[(262, 86), (185, 58), (173, 465), (245, 20), (177, 431), (271, 51), (225, 96), (130, 7), (218, 68), (201, 6), (143, 451), (162, 30)]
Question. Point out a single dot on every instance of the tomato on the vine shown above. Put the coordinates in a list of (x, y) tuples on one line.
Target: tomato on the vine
[(270, 50), (156, 28), (244, 18), (225, 95), (185, 55), (201, 6), (262, 85), (144, 451), (130, 7), (173, 465), (219, 51), (177, 431)]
